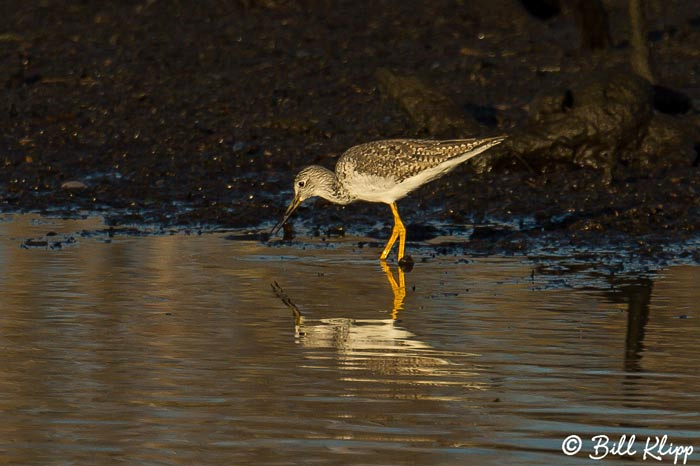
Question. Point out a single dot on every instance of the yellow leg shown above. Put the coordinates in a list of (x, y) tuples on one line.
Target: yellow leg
[(402, 236), (399, 289), (399, 231), (390, 243)]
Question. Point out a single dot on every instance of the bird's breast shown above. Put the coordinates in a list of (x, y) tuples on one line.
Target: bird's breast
[(373, 188), (370, 188)]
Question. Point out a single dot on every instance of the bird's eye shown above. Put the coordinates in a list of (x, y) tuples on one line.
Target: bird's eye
[(301, 184)]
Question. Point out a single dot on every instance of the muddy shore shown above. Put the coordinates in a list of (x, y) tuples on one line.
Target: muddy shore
[(182, 114)]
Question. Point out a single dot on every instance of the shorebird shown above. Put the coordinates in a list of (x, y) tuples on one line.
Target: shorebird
[(384, 171)]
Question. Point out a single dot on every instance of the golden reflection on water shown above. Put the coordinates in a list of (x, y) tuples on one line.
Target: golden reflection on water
[(397, 288), (174, 349), (379, 345)]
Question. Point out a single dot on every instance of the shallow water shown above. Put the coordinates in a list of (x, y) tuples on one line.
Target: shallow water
[(184, 349)]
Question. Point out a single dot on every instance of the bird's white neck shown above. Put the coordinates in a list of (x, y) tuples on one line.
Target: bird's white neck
[(329, 188)]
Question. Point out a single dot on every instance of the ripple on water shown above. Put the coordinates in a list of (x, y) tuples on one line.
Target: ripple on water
[(176, 348)]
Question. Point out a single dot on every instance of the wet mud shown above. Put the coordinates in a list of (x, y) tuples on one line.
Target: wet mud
[(198, 117)]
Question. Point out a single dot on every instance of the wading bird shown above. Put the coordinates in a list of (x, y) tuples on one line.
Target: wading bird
[(384, 171)]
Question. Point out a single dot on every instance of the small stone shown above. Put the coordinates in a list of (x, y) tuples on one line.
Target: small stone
[(73, 185), (406, 263)]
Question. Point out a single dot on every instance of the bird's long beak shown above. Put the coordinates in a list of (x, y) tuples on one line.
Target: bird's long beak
[(290, 210)]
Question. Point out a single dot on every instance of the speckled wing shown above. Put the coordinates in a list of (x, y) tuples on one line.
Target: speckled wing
[(399, 159)]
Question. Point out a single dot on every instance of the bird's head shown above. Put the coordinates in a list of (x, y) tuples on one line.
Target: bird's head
[(311, 181)]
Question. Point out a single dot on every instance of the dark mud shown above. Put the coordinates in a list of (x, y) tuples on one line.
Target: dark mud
[(189, 115)]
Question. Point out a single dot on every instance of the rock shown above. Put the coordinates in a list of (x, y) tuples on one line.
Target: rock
[(666, 144), (430, 110), (406, 263), (588, 125)]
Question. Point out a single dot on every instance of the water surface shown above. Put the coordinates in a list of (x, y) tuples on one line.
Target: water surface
[(184, 348)]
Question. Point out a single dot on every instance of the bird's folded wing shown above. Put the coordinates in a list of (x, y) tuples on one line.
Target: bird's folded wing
[(403, 158)]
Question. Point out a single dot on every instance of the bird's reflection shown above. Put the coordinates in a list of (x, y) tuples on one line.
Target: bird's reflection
[(298, 318), (352, 334), (381, 346), (398, 288), (397, 284)]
